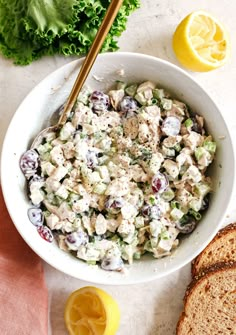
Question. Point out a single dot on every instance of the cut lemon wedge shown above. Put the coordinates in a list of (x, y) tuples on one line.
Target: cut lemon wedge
[(201, 43), (91, 311)]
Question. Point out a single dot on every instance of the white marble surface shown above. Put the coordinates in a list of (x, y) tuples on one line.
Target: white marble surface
[(152, 308)]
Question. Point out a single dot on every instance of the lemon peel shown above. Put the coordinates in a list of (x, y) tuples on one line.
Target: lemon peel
[(201, 43), (91, 311)]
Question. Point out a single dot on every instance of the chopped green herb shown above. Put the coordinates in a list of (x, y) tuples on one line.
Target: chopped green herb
[(152, 200), (195, 214)]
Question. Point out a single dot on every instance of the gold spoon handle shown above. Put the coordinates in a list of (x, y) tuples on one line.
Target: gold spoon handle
[(91, 57)]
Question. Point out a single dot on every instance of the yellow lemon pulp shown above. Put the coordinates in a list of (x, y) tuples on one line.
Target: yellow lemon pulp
[(201, 43), (91, 311)]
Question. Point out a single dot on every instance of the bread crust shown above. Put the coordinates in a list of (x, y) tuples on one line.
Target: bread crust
[(221, 233), (208, 272)]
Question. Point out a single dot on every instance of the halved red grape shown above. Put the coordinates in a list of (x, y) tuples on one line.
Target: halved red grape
[(114, 203), (155, 212), (186, 228), (171, 126), (151, 212), (92, 160), (36, 178), (146, 211), (36, 216), (196, 126), (205, 203), (100, 101), (112, 264), (78, 238), (128, 104), (29, 163), (45, 233), (159, 183)]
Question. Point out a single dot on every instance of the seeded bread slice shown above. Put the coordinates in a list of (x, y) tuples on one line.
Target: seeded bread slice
[(210, 303), (221, 249)]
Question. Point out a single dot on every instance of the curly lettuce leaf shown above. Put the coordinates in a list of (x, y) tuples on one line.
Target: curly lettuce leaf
[(30, 29)]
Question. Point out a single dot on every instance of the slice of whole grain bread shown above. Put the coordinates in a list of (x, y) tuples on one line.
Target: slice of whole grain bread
[(210, 303), (221, 249)]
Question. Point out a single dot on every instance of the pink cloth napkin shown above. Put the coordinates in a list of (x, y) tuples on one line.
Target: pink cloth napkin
[(23, 293)]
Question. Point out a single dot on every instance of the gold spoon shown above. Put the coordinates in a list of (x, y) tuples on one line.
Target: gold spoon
[(85, 69)]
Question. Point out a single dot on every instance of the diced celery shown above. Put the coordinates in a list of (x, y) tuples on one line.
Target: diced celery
[(154, 242), (129, 239), (131, 90), (195, 214), (164, 235), (104, 173), (188, 123), (116, 238), (66, 131), (100, 188), (183, 169), (168, 152), (158, 93), (155, 228), (141, 99), (199, 152), (137, 255), (195, 204), (93, 178), (43, 148), (103, 160), (177, 147), (120, 85), (166, 103), (210, 146), (45, 156), (83, 96), (139, 222), (168, 195), (58, 200), (148, 246), (49, 137), (176, 214), (202, 189)]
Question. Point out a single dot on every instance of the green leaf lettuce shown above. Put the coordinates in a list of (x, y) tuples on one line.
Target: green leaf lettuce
[(30, 29)]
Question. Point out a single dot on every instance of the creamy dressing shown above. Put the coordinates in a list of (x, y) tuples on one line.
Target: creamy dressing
[(125, 175)]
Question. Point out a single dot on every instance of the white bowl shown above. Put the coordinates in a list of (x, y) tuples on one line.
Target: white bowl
[(32, 116)]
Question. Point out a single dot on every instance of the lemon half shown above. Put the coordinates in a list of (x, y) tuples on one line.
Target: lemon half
[(201, 43), (91, 311)]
